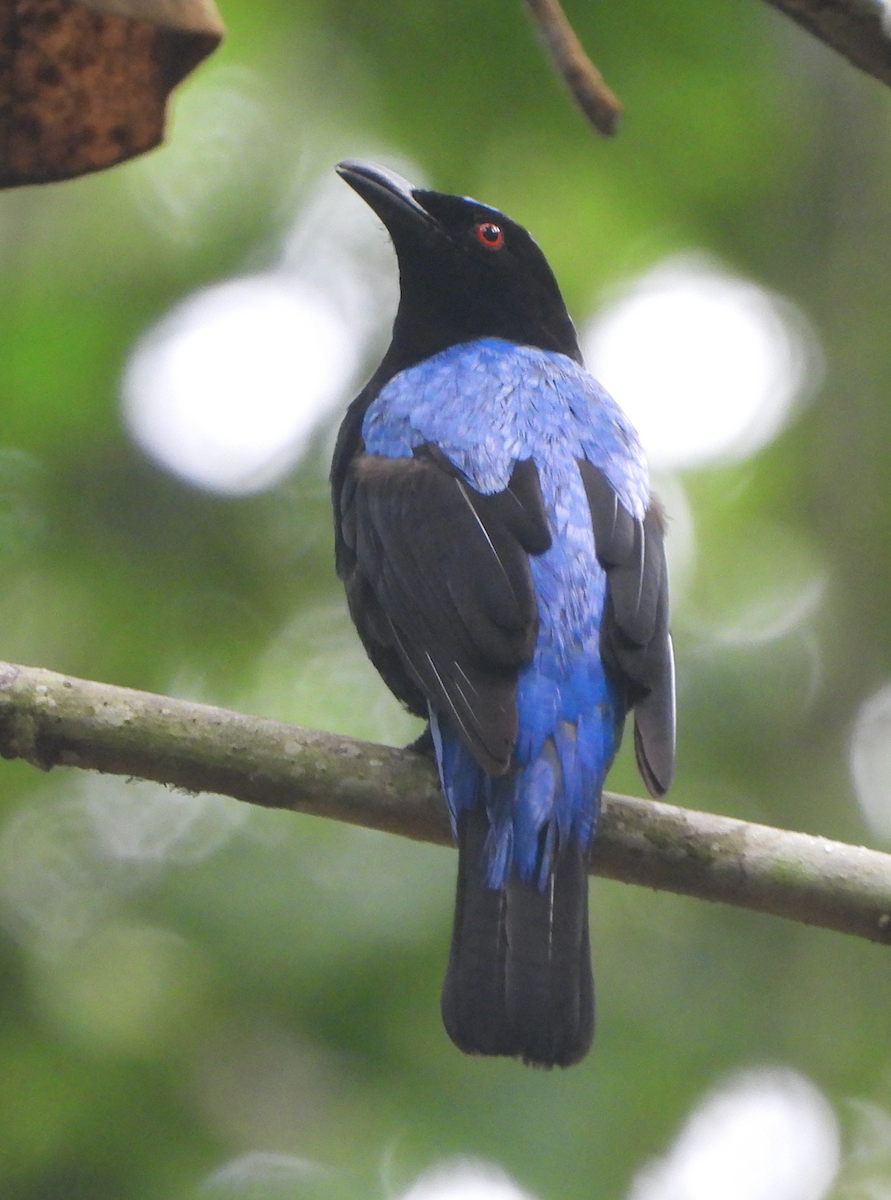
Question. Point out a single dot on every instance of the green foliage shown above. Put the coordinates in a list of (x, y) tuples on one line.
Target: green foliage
[(223, 982)]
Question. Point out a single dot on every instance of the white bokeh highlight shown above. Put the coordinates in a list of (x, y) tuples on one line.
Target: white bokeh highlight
[(66, 863), (266, 1170), (869, 756), (229, 386), (765, 1135), (465, 1179), (707, 365), (227, 389)]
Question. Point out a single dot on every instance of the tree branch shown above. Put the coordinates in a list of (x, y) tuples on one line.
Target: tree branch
[(860, 30), (49, 720)]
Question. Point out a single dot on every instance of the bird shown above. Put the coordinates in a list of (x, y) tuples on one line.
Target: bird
[(504, 564)]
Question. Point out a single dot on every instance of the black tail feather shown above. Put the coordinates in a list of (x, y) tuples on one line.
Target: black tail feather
[(473, 992), (519, 976), (549, 990)]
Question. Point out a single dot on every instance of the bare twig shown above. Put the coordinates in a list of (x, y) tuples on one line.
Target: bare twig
[(49, 719), (585, 83)]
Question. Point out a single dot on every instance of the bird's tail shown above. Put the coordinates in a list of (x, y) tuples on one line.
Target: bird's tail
[(519, 979)]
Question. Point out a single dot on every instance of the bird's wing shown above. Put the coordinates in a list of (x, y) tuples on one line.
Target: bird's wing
[(635, 639), (440, 589)]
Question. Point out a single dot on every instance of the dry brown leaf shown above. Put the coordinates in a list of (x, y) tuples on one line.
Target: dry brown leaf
[(84, 83)]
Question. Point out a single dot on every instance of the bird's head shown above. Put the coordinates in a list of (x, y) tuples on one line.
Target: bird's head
[(466, 271)]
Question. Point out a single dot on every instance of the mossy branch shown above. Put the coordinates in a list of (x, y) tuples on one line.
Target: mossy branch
[(55, 720)]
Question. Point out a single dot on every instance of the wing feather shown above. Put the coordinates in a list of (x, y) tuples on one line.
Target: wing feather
[(439, 586), (635, 638)]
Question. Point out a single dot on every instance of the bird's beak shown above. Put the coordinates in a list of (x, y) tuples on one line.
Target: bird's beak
[(388, 194)]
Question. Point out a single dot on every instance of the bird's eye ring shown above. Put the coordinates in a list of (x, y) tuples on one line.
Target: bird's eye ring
[(490, 235)]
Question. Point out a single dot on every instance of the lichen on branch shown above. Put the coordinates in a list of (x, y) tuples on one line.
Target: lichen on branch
[(53, 720)]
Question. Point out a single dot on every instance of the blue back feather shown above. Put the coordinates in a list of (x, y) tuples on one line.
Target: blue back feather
[(487, 404)]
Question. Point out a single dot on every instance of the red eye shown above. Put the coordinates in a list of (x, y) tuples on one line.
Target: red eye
[(490, 235)]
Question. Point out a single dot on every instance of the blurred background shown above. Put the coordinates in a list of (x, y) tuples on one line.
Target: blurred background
[(201, 1000)]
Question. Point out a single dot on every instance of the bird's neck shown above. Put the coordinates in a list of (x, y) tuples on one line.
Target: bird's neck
[(418, 335)]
